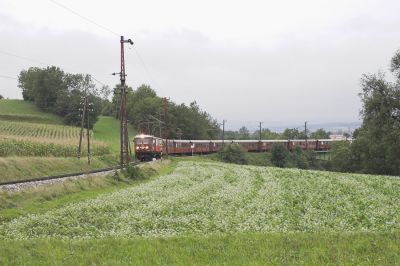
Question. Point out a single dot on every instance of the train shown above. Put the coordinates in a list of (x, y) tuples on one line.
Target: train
[(148, 147)]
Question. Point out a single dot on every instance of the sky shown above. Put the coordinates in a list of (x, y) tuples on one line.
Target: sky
[(280, 62)]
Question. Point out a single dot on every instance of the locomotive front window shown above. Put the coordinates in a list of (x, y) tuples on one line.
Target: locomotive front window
[(144, 141)]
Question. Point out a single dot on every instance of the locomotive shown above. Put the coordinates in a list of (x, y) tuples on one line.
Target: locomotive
[(148, 147)]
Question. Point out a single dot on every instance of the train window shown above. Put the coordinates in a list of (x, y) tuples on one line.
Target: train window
[(144, 140)]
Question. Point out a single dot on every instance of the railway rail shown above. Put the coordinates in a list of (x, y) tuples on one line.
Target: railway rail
[(56, 177)]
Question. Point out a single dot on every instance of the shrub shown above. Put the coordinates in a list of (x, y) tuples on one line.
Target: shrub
[(279, 154), (233, 153), (134, 172), (297, 159)]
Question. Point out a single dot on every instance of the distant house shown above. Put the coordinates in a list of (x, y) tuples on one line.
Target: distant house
[(337, 137)]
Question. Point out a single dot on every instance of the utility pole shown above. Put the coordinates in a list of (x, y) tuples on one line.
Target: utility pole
[(305, 133), (83, 115), (88, 137), (223, 133), (259, 142), (166, 125), (124, 137)]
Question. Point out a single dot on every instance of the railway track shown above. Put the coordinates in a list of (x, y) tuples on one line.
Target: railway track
[(40, 180)]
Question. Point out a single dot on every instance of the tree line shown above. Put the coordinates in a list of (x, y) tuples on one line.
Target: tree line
[(61, 93), (155, 115)]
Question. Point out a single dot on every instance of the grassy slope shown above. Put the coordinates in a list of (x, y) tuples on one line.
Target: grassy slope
[(107, 130), (22, 111), (16, 168), (19, 168), (44, 198)]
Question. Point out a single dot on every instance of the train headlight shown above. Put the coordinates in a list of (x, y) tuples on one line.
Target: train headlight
[(146, 147), (137, 147)]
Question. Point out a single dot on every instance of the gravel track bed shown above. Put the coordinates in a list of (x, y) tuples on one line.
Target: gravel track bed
[(22, 186)]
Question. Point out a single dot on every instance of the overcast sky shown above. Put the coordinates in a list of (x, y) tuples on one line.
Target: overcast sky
[(281, 62)]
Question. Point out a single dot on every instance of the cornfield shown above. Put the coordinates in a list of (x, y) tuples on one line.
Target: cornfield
[(25, 129), (31, 139)]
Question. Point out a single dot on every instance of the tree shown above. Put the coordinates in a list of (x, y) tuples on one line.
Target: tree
[(320, 134), (292, 133), (53, 90), (376, 148), (266, 134), (341, 157), (42, 86), (244, 133), (1, 97), (298, 158), (279, 154)]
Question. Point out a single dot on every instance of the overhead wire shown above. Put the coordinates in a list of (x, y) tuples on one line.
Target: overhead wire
[(42, 63), (83, 17), (108, 30), (23, 57), (7, 77)]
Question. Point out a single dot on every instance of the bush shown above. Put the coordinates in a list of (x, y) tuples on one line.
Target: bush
[(297, 159), (279, 154), (233, 153), (134, 172), (341, 157)]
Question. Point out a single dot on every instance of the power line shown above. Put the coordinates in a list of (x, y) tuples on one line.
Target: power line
[(108, 30), (7, 77), (144, 65), (83, 17), (23, 57), (40, 62)]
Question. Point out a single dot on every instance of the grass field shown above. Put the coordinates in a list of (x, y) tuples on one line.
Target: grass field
[(41, 199), (18, 168), (204, 198), (237, 249), (213, 213), (22, 111), (107, 130)]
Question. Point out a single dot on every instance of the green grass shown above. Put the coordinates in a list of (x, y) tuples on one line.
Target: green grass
[(44, 198), (18, 168), (23, 111), (222, 249), (107, 129)]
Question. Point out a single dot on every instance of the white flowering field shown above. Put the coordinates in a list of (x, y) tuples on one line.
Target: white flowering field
[(206, 197)]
